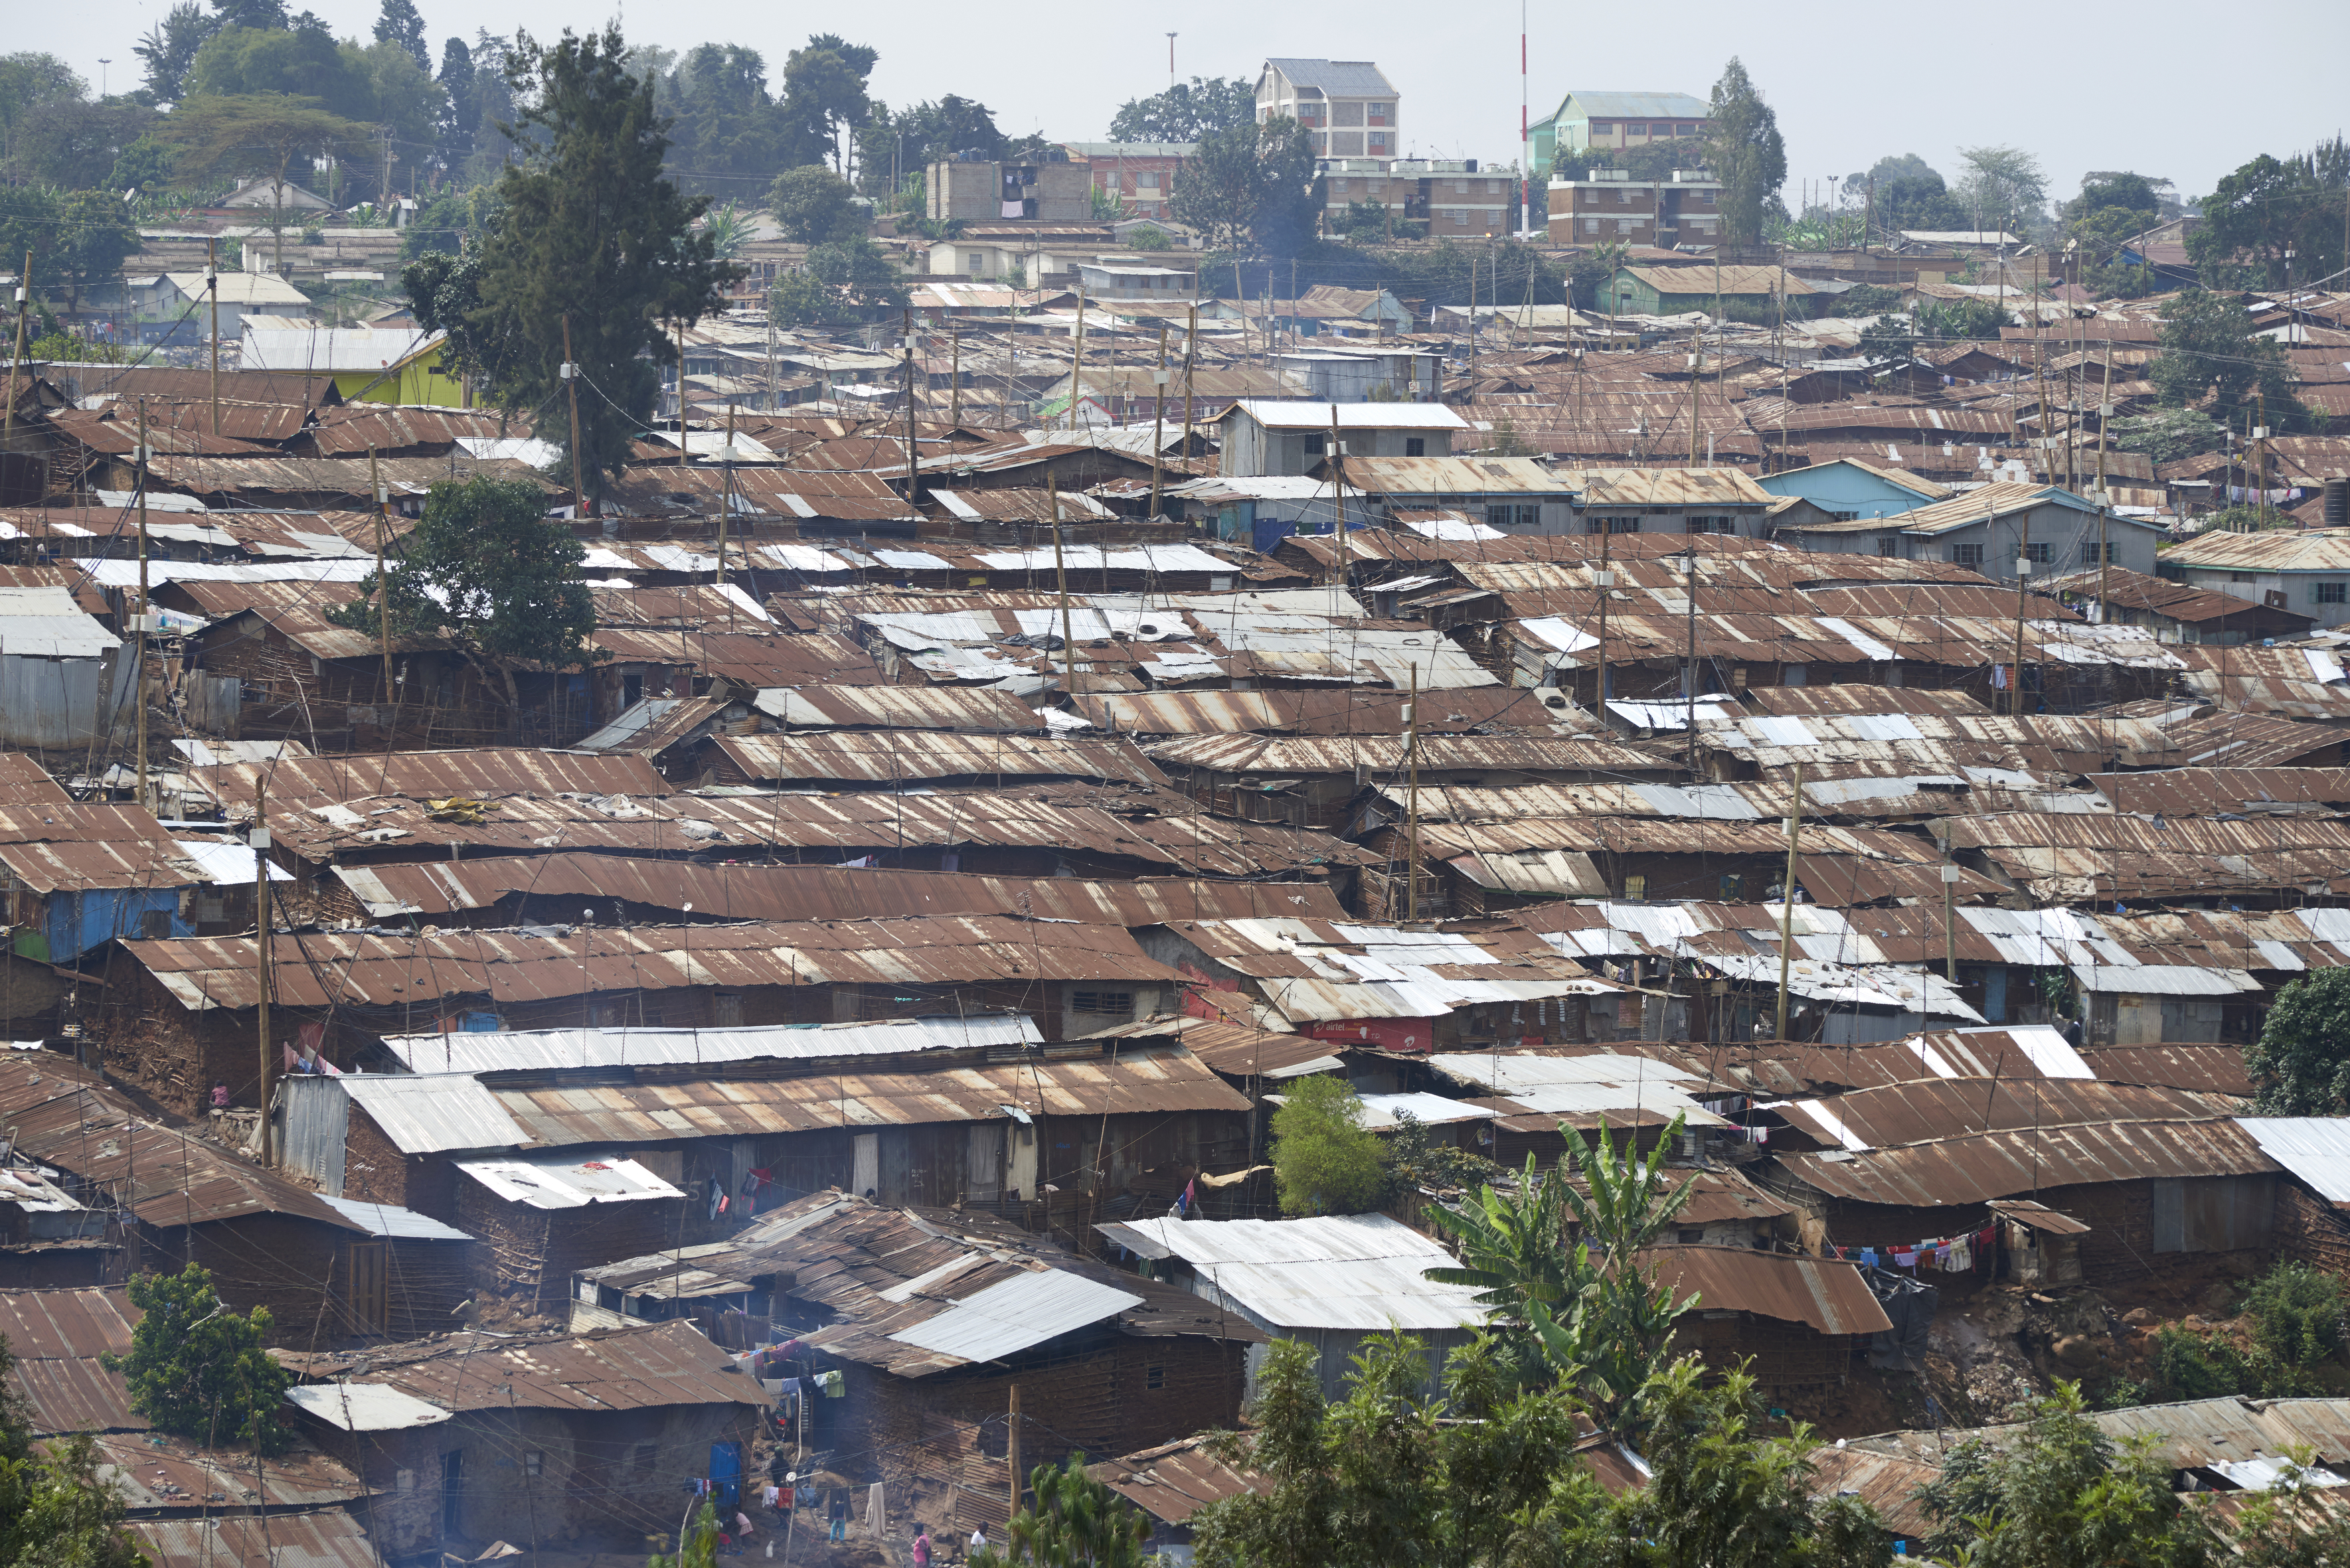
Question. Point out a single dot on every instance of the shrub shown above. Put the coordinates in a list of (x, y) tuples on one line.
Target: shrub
[(2296, 1312), (1324, 1161), (197, 1369)]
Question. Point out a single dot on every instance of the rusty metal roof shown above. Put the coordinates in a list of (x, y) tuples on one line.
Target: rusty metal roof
[(1175, 1480), (49, 847), (1931, 1110), (758, 660), (1825, 1293), (153, 1471), (359, 969), (328, 1538), (857, 757), (2189, 1435), (1970, 1167), (899, 707), (826, 892), (632, 1369), (351, 429), (57, 1337), (2274, 550), (2213, 1069), (1294, 756), (478, 772), (1310, 712), (66, 1116), (1154, 1081), (1888, 1483)]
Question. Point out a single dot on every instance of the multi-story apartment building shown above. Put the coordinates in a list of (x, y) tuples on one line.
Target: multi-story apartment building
[(1450, 194), (1140, 174), (1051, 189), (1612, 208), (1585, 120), (1347, 104)]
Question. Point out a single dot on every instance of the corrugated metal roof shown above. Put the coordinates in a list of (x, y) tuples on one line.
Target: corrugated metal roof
[(57, 1337), (543, 1050), (1173, 1482), (1014, 1313), (1972, 1167), (1360, 1272), (1298, 415), (391, 1220), (2315, 1148), (1141, 1081), (856, 757), (350, 969), (633, 1368), (328, 1538), (553, 1181), (364, 1407), (433, 1112), (1823, 1294)]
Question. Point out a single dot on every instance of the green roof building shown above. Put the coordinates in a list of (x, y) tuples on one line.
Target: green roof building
[(1585, 120)]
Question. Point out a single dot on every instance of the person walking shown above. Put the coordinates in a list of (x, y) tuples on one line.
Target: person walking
[(836, 1510), (979, 1538), (922, 1545)]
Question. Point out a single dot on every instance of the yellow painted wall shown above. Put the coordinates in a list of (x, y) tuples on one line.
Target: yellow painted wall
[(418, 381)]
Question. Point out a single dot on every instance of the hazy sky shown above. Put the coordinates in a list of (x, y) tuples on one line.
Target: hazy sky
[(2166, 90)]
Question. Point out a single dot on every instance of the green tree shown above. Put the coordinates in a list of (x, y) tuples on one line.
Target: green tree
[(1075, 1522), (2296, 1312), (1918, 202), (588, 228), (861, 268), (449, 222), (1748, 154), (94, 235), (2001, 185), (461, 110), (487, 569), (909, 140), (72, 144), (169, 49), (1885, 170), (399, 22), (1722, 1495), (2267, 206), (2168, 435), (410, 108), (145, 165), (1959, 320), (824, 91), (1615, 1335), (699, 1547), (801, 299), (2300, 1066), (299, 62), (28, 222), (2058, 1494), (1251, 187), (197, 1369), (1323, 1160), (262, 134), (2212, 358), (31, 80), (815, 206), (1187, 111), (55, 1511)]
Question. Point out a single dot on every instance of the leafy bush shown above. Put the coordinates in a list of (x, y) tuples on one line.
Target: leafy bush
[(1324, 1161), (1149, 237), (2296, 1312), (197, 1369), (2168, 435)]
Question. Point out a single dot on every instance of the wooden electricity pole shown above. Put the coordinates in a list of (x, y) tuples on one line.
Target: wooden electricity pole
[(258, 839), (211, 288), (1159, 421), (382, 495), (24, 296), (571, 383), (139, 665), (1787, 896), (1061, 574)]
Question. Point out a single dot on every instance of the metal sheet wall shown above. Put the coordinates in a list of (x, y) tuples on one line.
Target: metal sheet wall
[(56, 703)]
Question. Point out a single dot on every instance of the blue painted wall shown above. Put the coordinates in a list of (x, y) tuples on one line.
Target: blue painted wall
[(74, 923)]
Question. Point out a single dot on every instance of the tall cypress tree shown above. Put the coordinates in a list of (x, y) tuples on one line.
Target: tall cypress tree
[(589, 228), (1750, 156)]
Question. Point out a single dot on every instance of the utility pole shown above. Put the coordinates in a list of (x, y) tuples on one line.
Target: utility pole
[(2104, 551), (1689, 659), (1412, 758), (1191, 342), (258, 840), (954, 393), (212, 289), (1696, 368), (1077, 371), (24, 296), (726, 497), (1604, 580), (1949, 941), (1338, 498), (2022, 575), (1472, 327), (913, 451), (1787, 896), (139, 666), (382, 495), (1061, 574), (1159, 421), (570, 374), (1013, 1446)]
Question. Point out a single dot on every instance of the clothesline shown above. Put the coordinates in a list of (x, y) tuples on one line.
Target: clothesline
[(1957, 1254)]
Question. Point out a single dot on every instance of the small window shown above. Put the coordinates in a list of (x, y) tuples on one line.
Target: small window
[(1844, 516), (1966, 555), (1116, 1003), (1146, 181), (2331, 594), (2040, 553), (1316, 444), (2242, 576), (1415, 446), (1690, 1237), (1733, 885), (1511, 517), (1636, 887), (534, 1461), (1889, 545), (1155, 1377), (726, 1010), (2089, 555)]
